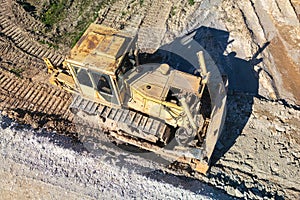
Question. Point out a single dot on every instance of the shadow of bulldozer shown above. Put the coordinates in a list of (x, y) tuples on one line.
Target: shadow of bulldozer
[(243, 81)]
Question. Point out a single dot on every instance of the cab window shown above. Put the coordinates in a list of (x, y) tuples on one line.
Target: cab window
[(83, 77), (103, 85)]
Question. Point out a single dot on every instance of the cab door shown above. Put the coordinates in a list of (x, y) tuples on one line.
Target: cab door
[(96, 86), (85, 82)]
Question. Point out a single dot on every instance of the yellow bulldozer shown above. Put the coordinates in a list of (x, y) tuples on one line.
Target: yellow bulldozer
[(148, 105)]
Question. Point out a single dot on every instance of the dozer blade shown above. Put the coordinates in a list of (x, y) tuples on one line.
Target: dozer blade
[(217, 91)]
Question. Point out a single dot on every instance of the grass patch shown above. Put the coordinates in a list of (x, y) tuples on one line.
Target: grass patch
[(55, 12), (191, 2), (173, 11), (17, 71)]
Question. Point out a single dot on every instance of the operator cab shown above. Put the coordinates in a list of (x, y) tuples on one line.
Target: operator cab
[(96, 61)]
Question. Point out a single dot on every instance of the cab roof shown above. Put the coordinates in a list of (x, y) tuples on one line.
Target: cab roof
[(100, 48)]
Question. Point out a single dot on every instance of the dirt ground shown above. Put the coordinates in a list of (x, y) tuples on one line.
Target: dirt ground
[(255, 42)]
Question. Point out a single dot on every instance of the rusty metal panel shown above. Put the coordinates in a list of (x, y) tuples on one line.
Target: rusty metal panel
[(100, 48), (89, 44)]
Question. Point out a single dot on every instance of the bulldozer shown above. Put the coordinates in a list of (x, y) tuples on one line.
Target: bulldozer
[(152, 106)]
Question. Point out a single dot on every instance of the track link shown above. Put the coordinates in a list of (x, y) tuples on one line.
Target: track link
[(147, 127)]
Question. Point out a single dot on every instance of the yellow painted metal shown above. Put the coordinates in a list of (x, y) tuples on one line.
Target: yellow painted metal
[(100, 48), (50, 67), (66, 79), (58, 78), (199, 166), (150, 86), (155, 107)]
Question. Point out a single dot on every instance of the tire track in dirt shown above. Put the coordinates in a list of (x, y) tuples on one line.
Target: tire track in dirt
[(22, 39)]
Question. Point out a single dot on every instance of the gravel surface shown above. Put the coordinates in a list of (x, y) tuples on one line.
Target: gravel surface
[(41, 165), (257, 157)]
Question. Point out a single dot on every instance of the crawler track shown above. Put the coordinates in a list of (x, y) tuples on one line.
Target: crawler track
[(34, 101), (20, 49)]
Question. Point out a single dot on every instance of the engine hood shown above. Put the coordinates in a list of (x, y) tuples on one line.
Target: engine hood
[(155, 80)]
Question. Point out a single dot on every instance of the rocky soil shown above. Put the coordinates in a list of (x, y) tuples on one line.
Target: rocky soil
[(42, 165), (257, 158), (255, 42), (264, 154)]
